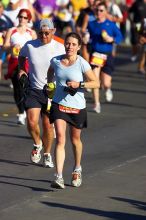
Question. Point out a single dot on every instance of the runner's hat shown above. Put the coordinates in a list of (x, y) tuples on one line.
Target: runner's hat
[(46, 24)]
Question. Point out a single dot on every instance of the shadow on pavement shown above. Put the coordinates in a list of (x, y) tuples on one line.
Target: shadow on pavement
[(125, 105), (7, 102), (18, 162), (108, 214), (137, 204), (38, 189), (14, 136), (129, 91)]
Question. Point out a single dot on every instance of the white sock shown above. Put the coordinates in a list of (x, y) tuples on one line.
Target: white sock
[(47, 154), (59, 176), (78, 168)]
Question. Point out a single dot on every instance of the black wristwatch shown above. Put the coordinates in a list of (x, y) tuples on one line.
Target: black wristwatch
[(82, 85)]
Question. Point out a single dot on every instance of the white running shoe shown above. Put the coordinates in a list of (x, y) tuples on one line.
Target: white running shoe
[(97, 108), (58, 183), (36, 153), (134, 58), (24, 114), (76, 178), (47, 161), (11, 86), (109, 95), (21, 119)]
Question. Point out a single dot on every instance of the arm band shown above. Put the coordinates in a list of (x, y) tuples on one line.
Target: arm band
[(82, 85)]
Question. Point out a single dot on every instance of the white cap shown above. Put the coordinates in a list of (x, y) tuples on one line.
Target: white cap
[(14, 1), (46, 24)]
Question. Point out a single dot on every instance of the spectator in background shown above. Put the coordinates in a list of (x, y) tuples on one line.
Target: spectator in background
[(77, 6), (12, 11), (44, 9), (114, 12), (5, 24), (63, 20), (142, 41), (87, 15), (129, 3), (5, 3), (137, 13), (115, 15), (84, 12)]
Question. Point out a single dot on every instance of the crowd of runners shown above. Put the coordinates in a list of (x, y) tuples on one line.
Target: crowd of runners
[(63, 48)]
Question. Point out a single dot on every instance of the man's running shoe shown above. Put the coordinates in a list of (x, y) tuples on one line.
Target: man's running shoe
[(36, 153), (47, 161), (97, 108), (11, 85), (58, 183), (109, 95), (134, 58), (76, 178)]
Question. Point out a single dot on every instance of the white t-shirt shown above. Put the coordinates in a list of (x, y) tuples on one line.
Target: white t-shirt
[(39, 57)]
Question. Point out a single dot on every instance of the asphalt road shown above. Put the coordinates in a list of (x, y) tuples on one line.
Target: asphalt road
[(114, 159)]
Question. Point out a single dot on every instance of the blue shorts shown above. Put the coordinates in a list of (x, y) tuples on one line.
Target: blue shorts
[(36, 98), (108, 68), (2, 55)]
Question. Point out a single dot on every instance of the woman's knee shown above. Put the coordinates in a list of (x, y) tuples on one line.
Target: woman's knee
[(60, 139)]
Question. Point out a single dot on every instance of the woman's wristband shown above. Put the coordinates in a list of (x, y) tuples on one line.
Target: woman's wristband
[(82, 85)]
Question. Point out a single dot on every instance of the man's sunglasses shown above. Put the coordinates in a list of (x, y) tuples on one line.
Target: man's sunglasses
[(44, 33), (23, 17), (100, 10)]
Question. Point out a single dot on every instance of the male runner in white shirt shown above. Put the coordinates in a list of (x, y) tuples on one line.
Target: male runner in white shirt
[(39, 53)]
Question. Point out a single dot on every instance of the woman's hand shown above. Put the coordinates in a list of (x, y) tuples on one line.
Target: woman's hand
[(73, 84)]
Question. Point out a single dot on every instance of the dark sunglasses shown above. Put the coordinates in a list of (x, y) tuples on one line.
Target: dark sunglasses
[(44, 33), (100, 10), (23, 17)]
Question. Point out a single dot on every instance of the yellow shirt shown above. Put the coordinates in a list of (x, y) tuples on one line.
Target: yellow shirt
[(77, 6)]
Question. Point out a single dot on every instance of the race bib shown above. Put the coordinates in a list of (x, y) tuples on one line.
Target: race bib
[(15, 51), (1, 41), (98, 59), (68, 109)]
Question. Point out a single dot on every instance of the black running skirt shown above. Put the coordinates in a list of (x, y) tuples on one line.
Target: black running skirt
[(77, 120)]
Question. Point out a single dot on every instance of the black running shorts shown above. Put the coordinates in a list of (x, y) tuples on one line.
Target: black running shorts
[(36, 98), (77, 120), (108, 68)]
